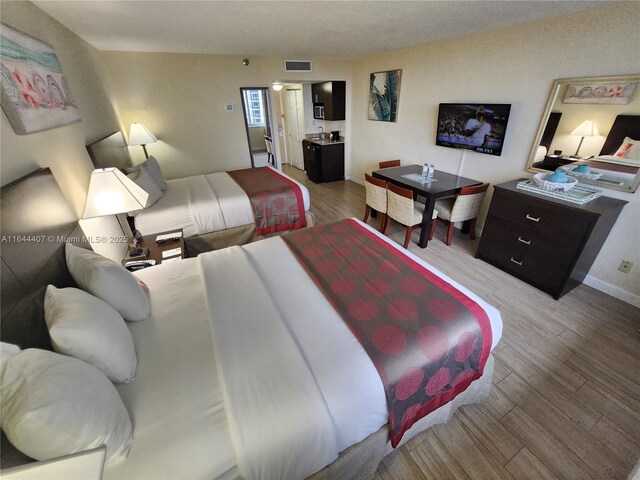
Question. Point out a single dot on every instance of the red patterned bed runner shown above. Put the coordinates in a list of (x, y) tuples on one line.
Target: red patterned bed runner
[(276, 201), (427, 339)]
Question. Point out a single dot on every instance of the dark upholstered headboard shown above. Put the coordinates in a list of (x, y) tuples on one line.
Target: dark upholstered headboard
[(550, 129), (35, 222), (623, 126), (110, 151)]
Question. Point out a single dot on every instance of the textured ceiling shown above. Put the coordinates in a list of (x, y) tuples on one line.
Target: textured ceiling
[(294, 29)]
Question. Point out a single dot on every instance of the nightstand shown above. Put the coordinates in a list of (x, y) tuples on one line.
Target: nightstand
[(156, 249)]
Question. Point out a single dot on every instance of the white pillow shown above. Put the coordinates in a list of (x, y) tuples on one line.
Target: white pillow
[(144, 180), (108, 281), (84, 327), (7, 350), (630, 149), (54, 405), (153, 168)]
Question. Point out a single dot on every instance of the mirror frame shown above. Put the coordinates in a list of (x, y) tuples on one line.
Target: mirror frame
[(553, 95)]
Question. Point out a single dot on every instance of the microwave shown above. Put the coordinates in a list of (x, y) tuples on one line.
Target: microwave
[(318, 112)]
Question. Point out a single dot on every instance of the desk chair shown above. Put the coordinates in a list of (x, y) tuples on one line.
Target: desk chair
[(402, 208), (376, 198), (388, 164), (465, 206), (269, 143)]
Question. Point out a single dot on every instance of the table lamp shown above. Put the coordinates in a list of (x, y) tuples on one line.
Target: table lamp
[(112, 193), (587, 128), (140, 135)]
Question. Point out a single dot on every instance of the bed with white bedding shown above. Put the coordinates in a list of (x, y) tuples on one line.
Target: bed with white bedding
[(203, 204), (192, 416), (191, 423), (213, 210)]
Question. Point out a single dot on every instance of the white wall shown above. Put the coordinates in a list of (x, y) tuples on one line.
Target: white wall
[(516, 66), (181, 99), (62, 149)]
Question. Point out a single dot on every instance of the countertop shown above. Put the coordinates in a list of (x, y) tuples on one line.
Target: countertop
[(324, 142)]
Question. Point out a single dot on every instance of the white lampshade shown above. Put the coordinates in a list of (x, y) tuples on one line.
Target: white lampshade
[(277, 86), (587, 128), (139, 135), (111, 192)]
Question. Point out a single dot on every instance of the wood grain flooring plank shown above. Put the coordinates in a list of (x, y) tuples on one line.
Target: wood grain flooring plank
[(481, 422), (627, 448), (526, 466), (603, 350), (435, 461), (559, 394), (593, 452), (476, 461), (399, 465), (621, 386), (530, 363), (499, 369), (611, 407), (499, 403), (561, 461)]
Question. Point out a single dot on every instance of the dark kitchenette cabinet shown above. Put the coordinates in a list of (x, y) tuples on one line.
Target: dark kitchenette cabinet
[(323, 163), (332, 96)]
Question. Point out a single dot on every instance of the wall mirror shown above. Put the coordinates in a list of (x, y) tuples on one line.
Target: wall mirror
[(591, 129)]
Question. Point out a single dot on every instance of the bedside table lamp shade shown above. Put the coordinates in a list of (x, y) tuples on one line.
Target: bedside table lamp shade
[(111, 192), (140, 135), (588, 128)]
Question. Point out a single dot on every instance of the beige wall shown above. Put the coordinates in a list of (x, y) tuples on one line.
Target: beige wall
[(62, 149), (516, 66), (181, 99)]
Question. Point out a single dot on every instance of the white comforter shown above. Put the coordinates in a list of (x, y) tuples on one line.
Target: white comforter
[(201, 204)]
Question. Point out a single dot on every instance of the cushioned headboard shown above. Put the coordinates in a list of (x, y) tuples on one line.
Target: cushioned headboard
[(623, 126), (35, 222), (550, 129), (110, 151)]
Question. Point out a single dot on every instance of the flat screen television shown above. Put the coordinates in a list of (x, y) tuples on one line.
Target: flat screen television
[(479, 127)]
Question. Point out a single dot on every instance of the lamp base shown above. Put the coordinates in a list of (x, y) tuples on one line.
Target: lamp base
[(137, 254)]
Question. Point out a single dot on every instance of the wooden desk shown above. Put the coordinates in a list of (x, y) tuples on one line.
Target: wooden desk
[(445, 184)]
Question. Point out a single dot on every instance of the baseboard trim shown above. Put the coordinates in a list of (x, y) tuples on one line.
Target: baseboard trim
[(614, 291)]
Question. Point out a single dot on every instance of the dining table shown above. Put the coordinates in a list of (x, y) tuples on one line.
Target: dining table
[(442, 184)]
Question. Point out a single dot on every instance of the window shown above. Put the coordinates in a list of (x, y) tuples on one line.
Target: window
[(254, 107)]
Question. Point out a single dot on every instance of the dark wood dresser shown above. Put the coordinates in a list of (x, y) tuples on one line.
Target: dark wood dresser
[(548, 243)]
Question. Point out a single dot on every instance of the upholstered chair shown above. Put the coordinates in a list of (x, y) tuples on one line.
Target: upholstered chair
[(460, 208), (269, 143), (402, 209), (376, 198), (389, 164)]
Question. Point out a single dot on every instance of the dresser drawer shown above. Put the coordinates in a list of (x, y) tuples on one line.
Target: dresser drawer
[(564, 226), (543, 266)]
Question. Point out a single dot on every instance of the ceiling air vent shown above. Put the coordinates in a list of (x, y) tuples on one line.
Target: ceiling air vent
[(297, 65)]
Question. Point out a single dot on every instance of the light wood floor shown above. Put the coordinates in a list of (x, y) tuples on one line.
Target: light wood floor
[(566, 396)]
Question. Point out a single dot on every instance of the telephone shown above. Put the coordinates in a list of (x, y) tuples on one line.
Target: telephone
[(139, 265)]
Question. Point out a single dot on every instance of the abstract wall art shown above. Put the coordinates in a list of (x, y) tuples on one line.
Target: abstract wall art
[(35, 93), (384, 95)]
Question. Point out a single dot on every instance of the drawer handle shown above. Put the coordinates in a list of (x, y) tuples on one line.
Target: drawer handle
[(533, 219), (526, 242), (516, 261)]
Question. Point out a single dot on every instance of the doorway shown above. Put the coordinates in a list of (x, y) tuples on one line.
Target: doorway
[(257, 121)]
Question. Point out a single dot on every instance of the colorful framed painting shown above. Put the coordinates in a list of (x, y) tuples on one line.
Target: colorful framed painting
[(607, 93), (384, 95), (35, 93)]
